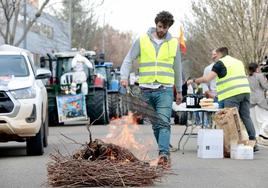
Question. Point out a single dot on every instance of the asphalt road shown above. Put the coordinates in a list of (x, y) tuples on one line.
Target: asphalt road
[(18, 170)]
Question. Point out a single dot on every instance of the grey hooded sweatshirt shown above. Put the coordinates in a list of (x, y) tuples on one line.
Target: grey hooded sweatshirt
[(134, 53)]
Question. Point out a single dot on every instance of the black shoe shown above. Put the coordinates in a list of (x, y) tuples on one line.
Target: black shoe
[(164, 162), (256, 148)]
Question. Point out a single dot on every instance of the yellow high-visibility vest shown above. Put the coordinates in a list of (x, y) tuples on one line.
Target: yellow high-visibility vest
[(157, 68), (235, 82)]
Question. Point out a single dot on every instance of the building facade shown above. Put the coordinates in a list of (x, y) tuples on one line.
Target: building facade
[(48, 34)]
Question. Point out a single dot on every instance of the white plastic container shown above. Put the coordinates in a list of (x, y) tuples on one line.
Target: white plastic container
[(241, 151), (210, 143)]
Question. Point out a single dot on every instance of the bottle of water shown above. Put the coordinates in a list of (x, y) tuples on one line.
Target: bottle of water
[(190, 100), (190, 90)]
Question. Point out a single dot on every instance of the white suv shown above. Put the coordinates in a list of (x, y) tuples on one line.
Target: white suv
[(23, 100)]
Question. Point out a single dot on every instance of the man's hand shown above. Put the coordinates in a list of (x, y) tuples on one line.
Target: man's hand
[(178, 98), (189, 82), (124, 83), (209, 94)]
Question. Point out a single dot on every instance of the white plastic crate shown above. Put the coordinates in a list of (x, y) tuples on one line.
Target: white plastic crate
[(210, 143), (242, 151)]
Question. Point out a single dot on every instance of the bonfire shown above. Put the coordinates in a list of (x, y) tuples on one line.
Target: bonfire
[(98, 163)]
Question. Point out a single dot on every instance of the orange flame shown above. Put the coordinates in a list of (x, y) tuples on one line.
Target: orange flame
[(123, 132)]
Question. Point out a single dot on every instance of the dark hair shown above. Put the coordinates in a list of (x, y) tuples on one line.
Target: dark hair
[(165, 18), (252, 67), (223, 51)]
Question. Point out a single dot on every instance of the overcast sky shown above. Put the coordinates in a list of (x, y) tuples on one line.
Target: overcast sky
[(138, 15)]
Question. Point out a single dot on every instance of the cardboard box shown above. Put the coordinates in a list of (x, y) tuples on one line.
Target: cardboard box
[(210, 143), (241, 151), (235, 132)]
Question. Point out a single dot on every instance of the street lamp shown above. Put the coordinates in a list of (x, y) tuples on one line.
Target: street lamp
[(103, 35), (24, 23), (70, 22)]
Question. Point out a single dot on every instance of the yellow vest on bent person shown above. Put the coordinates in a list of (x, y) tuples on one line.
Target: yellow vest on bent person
[(235, 82), (157, 68)]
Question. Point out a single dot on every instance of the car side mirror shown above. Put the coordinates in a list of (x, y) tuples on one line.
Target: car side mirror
[(42, 74), (42, 62)]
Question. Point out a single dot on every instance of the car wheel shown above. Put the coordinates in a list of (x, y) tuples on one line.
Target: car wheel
[(53, 117), (35, 145)]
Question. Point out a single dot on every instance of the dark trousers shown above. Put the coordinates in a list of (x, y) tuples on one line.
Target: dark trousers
[(241, 102)]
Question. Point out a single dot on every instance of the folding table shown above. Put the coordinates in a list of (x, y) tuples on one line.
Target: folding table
[(191, 121)]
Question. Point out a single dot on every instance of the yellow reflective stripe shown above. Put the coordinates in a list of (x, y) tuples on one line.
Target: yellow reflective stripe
[(230, 79), (156, 69), (160, 79), (231, 83), (233, 92), (232, 88), (148, 64), (160, 73)]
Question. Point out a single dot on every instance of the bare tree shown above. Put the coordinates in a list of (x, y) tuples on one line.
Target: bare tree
[(240, 25), (117, 45), (88, 33), (83, 20), (10, 11)]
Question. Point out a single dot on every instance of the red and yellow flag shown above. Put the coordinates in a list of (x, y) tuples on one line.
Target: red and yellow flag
[(182, 41)]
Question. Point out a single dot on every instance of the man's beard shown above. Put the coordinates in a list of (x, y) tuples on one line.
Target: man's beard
[(160, 34)]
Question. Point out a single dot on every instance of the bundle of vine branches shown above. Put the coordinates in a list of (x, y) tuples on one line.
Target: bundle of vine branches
[(101, 164)]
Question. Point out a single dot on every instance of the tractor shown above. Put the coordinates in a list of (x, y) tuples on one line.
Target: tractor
[(60, 85), (112, 78)]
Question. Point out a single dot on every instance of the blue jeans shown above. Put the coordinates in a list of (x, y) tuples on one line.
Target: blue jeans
[(221, 104), (241, 102), (161, 100)]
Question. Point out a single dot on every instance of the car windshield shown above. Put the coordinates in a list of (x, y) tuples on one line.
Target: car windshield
[(67, 65), (13, 65)]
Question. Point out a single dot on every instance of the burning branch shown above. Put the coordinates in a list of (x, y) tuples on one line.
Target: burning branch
[(101, 164)]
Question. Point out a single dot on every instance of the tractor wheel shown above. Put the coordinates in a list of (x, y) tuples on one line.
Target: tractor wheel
[(114, 105), (53, 112), (53, 117), (97, 107)]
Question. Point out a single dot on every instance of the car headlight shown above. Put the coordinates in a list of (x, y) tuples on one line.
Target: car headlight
[(26, 93)]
